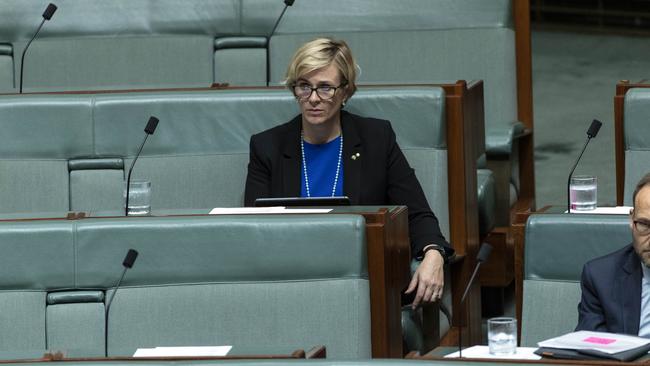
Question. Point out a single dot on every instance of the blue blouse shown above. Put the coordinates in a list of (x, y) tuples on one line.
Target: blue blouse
[(321, 162)]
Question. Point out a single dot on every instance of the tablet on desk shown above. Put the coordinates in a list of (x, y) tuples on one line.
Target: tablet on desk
[(303, 201)]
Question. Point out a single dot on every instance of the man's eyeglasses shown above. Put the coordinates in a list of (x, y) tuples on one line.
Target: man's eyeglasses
[(325, 92), (642, 227)]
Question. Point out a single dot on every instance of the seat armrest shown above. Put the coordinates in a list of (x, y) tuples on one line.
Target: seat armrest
[(499, 140)]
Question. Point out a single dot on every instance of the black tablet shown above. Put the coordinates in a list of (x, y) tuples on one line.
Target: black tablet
[(303, 201)]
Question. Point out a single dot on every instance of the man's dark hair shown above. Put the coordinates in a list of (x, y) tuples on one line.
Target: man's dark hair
[(642, 183)]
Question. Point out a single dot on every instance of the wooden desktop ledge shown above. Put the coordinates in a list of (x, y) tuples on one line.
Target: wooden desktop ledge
[(316, 352)]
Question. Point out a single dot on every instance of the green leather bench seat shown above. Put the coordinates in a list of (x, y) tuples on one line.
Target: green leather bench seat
[(300, 280), (557, 247), (82, 143), (637, 139)]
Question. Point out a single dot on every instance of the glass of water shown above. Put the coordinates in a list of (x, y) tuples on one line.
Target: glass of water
[(502, 336), (139, 198), (583, 192)]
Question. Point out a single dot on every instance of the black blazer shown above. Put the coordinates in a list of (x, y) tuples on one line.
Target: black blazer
[(380, 175), (611, 293)]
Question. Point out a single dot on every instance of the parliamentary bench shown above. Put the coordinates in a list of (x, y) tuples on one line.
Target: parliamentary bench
[(70, 151), (90, 45), (255, 280)]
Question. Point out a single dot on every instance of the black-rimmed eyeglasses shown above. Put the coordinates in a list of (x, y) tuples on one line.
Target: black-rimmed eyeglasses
[(642, 227), (325, 92)]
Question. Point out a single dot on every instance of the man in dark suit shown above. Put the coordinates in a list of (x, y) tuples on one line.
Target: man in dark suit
[(616, 287)]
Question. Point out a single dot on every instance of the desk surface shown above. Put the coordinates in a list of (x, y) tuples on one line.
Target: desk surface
[(236, 353), (437, 355)]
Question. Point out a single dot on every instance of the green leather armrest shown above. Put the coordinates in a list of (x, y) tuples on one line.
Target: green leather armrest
[(68, 297), (499, 139)]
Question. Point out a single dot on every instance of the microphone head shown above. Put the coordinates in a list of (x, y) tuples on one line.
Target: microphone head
[(289, 2), (594, 128), (151, 125), (130, 258), (49, 11), (484, 252)]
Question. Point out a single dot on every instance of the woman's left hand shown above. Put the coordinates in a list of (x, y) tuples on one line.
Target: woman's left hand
[(428, 279)]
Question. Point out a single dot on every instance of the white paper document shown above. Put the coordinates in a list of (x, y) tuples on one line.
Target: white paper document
[(182, 351), (265, 210), (609, 343), (523, 353)]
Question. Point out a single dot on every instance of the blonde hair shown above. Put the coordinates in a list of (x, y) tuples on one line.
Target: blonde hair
[(320, 53)]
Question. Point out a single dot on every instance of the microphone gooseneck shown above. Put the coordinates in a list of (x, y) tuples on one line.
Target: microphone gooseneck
[(482, 256), (47, 15), (127, 263), (591, 133), (287, 3), (149, 130)]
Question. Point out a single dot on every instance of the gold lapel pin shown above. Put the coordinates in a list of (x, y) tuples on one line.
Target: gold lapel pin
[(355, 156)]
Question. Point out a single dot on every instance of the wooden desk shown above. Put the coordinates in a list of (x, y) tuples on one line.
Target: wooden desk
[(439, 353), (313, 353)]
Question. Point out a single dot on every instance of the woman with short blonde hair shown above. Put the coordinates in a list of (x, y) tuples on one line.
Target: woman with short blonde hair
[(326, 151)]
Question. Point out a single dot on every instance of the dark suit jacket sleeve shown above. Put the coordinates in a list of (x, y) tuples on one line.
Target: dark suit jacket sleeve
[(590, 311), (404, 189), (258, 179)]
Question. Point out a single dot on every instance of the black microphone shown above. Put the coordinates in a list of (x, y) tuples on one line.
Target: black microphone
[(482, 256), (128, 261), (287, 3), (47, 15), (591, 133), (149, 129)]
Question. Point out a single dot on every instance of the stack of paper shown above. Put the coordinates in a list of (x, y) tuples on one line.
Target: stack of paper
[(182, 351), (586, 344)]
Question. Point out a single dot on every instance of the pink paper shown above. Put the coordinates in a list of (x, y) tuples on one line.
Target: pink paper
[(599, 340)]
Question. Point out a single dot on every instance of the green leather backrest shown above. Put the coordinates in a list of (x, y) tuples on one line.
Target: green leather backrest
[(198, 156), (197, 281), (239, 273), (91, 44), (122, 62), (417, 115), (557, 247), (36, 256), (40, 134), (637, 139), (422, 42)]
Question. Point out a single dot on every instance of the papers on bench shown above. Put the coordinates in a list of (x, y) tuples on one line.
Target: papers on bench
[(523, 353), (595, 345), (182, 351), (265, 210)]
